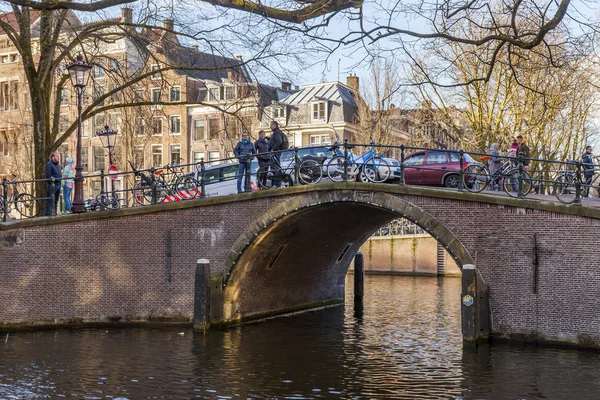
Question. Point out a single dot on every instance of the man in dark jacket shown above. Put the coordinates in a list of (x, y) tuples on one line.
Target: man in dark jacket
[(588, 169), (244, 151), (262, 146), (53, 189), (276, 140), (523, 150)]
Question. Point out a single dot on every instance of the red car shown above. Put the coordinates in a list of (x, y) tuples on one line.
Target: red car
[(434, 168)]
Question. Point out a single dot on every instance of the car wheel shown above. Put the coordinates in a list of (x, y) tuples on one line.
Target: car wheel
[(451, 181)]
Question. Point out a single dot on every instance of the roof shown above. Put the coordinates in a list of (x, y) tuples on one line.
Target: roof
[(11, 19), (331, 91)]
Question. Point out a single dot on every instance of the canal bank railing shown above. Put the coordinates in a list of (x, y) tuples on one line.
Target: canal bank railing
[(518, 176)]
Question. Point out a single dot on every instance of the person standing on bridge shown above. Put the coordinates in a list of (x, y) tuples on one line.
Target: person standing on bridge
[(53, 188), (494, 163), (244, 151), (588, 169), (262, 146), (68, 183)]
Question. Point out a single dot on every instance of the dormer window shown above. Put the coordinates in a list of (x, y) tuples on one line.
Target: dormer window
[(319, 110), (278, 112), (229, 92), (214, 94)]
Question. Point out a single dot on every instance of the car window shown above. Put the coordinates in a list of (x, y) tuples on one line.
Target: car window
[(437, 157), (212, 175), (287, 156), (454, 157), (416, 159), (229, 172)]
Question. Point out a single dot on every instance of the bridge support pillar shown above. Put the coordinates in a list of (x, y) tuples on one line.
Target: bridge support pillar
[(474, 307), (202, 296), (359, 284)]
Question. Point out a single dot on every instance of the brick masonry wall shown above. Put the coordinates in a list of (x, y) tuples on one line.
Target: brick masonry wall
[(116, 269)]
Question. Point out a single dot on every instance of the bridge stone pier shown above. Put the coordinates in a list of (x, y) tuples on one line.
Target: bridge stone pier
[(536, 276)]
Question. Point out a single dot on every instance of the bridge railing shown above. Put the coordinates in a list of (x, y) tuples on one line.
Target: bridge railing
[(458, 169)]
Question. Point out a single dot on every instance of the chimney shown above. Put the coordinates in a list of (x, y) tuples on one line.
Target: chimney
[(195, 47), (169, 24), (286, 86), (352, 83), (127, 15)]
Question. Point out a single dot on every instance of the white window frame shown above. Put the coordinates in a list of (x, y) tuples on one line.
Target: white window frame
[(312, 110), (171, 146), (170, 125), (171, 94), (139, 124), (210, 95), (161, 126), (94, 157), (212, 160), (196, 160), (278, 110), (232, 88), (156, 106), (194, 130), (318, 139), (136, 95), (98, 70), (155, 76), (115, 121), (155, 146), (64, 97)]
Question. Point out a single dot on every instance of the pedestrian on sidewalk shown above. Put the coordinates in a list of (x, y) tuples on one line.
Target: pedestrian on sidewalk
[(262, 146), (53, 188), (244, 151), (68, 182)]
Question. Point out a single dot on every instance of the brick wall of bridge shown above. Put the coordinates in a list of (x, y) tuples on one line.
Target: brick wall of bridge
[(117, 268)]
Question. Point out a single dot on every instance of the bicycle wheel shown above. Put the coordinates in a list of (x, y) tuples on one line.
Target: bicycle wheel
[(475, 178), (263, 177), (188, 185), (510, 183), (335, 168), (25, 205), (376, 171), (310, 172), (109, 202), (564, 188)]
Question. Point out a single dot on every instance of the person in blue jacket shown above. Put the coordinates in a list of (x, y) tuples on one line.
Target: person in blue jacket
[(244, 151)]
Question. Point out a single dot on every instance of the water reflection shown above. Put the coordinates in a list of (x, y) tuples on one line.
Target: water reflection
[(407, 345)]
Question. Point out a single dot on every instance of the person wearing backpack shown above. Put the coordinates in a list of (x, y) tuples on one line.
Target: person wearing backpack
[(278, 140)]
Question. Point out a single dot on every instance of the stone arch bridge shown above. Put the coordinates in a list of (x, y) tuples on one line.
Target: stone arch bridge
[(536, 273)]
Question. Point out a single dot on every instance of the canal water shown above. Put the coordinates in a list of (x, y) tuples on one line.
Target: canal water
[(406, 346)]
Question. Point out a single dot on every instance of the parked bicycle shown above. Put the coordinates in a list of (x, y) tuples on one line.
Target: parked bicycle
[(23, 203), (476, 178), (271, 175), (568, 179), (368, 167), (147, 188)]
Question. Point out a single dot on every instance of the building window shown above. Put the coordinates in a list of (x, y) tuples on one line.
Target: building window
[(84, 159), (138, 156), (156, 96), (138, 95), (4, 144), (278, 112), (229, 92), (318, 110), (14, 58), (213, 157), (98, 94), (98, 122), (198, 156), (157, 155), (64, 97), (155, 76), (157, 126), (213, 129), (98, 71), (174, 125), (138, 129), (9, 96), (213, 94), (115, 65), (319, 140), (63, 123), (175, 94), (198, 133), (84, 128), (99, 158), (114, 122), (115, 98), (175, 153)]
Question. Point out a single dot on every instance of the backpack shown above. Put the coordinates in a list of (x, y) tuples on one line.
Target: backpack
[(285, 144)]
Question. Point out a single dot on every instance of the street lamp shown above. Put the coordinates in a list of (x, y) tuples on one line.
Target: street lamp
[(80, 73), (108, 137)]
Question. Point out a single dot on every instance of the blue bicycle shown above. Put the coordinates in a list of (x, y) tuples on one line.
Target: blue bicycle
[(365, 168)]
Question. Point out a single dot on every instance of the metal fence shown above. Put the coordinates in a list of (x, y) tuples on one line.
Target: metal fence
[(517, 176)]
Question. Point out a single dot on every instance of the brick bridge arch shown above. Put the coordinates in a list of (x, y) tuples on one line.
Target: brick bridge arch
[(296, 255)]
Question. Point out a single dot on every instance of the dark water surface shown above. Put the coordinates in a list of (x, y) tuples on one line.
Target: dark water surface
[(407, 346)]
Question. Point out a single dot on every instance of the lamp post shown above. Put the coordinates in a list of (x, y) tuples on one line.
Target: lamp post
[(80, 73), (108, 137)]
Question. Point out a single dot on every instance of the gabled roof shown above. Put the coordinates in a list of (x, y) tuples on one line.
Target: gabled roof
[(331, 91), (11, 19)]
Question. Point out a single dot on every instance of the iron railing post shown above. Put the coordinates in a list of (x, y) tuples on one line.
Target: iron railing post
[(402, 148), (578, 184), (345, 176), (520, 180), (202, 185), (102, 176), (247, 187), (461, 172), (153, 180), (53, 195), (296, 166), (5, 200)]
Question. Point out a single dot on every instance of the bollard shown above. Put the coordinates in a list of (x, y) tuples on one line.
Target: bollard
[(345, 176), (202, 294), (4, 200), (247, 187), (402, 182), (359, 284), (202, 172), (520, 180)]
